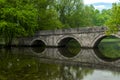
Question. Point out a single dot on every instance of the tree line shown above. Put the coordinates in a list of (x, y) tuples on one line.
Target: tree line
[(19, 18)]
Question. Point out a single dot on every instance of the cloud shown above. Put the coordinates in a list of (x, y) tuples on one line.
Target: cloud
[(97, 1), (102, 5)]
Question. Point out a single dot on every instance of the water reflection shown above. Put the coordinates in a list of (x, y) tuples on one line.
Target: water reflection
[(22, 67), (102, 75), (94, 56), (69, 52), (20, 64), (74, 73), (38, 49)]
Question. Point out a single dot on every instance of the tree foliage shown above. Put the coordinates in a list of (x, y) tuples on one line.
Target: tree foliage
[(114, 22), (20, 18), (47, 16), (69, 12), (16, 20)]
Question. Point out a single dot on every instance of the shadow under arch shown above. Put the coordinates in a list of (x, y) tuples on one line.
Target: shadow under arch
[(101, 37), (65, 40), (37, 43), (69, 46), (37, 46)]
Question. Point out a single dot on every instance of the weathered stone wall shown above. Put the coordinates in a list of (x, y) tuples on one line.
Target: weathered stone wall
[(87, 37), (72, 31)]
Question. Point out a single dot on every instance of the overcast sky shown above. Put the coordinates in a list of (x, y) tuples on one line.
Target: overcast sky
[(96, 1), (101, 4)]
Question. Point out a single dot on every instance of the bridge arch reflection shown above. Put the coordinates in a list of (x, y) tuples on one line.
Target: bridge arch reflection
[(39, 51), (88, 56), (69, 53)]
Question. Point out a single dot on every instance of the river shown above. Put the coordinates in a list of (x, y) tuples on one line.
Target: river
[(52, 64), (38, 63)]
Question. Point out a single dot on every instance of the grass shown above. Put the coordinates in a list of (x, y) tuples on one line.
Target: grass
[(110, 40), (110, 47)]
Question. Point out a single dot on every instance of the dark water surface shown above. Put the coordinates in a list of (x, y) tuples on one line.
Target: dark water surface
[(53, 64), (61, 63)]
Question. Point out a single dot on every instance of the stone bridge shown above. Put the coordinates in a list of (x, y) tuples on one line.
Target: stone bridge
[(86, 37)]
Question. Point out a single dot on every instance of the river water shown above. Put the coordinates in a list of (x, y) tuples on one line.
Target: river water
[(59, 64)]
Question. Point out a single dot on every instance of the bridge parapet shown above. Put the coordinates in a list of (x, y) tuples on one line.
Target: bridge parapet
[(86, 37), (71, 31)]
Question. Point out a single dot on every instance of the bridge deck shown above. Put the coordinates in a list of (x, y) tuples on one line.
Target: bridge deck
[(71, 31)]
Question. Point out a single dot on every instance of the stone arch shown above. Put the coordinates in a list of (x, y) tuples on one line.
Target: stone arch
[(97, 39), (64, 39), (37, 42)]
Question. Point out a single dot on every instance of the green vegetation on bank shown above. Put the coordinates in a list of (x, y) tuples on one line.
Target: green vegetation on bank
[(110, 47), (20, 18), (111, 39), (114, 20)]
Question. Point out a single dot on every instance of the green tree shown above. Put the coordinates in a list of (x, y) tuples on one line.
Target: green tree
[(88, 16), (100, 17), (47, 15), (114, 22), (69, 12), (17, 18)]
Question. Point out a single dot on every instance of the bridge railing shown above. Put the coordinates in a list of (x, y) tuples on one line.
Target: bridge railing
[(71, 31)]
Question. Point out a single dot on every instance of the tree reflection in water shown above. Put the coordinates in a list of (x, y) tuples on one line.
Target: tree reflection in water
[(21, 67), (74, 73)]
